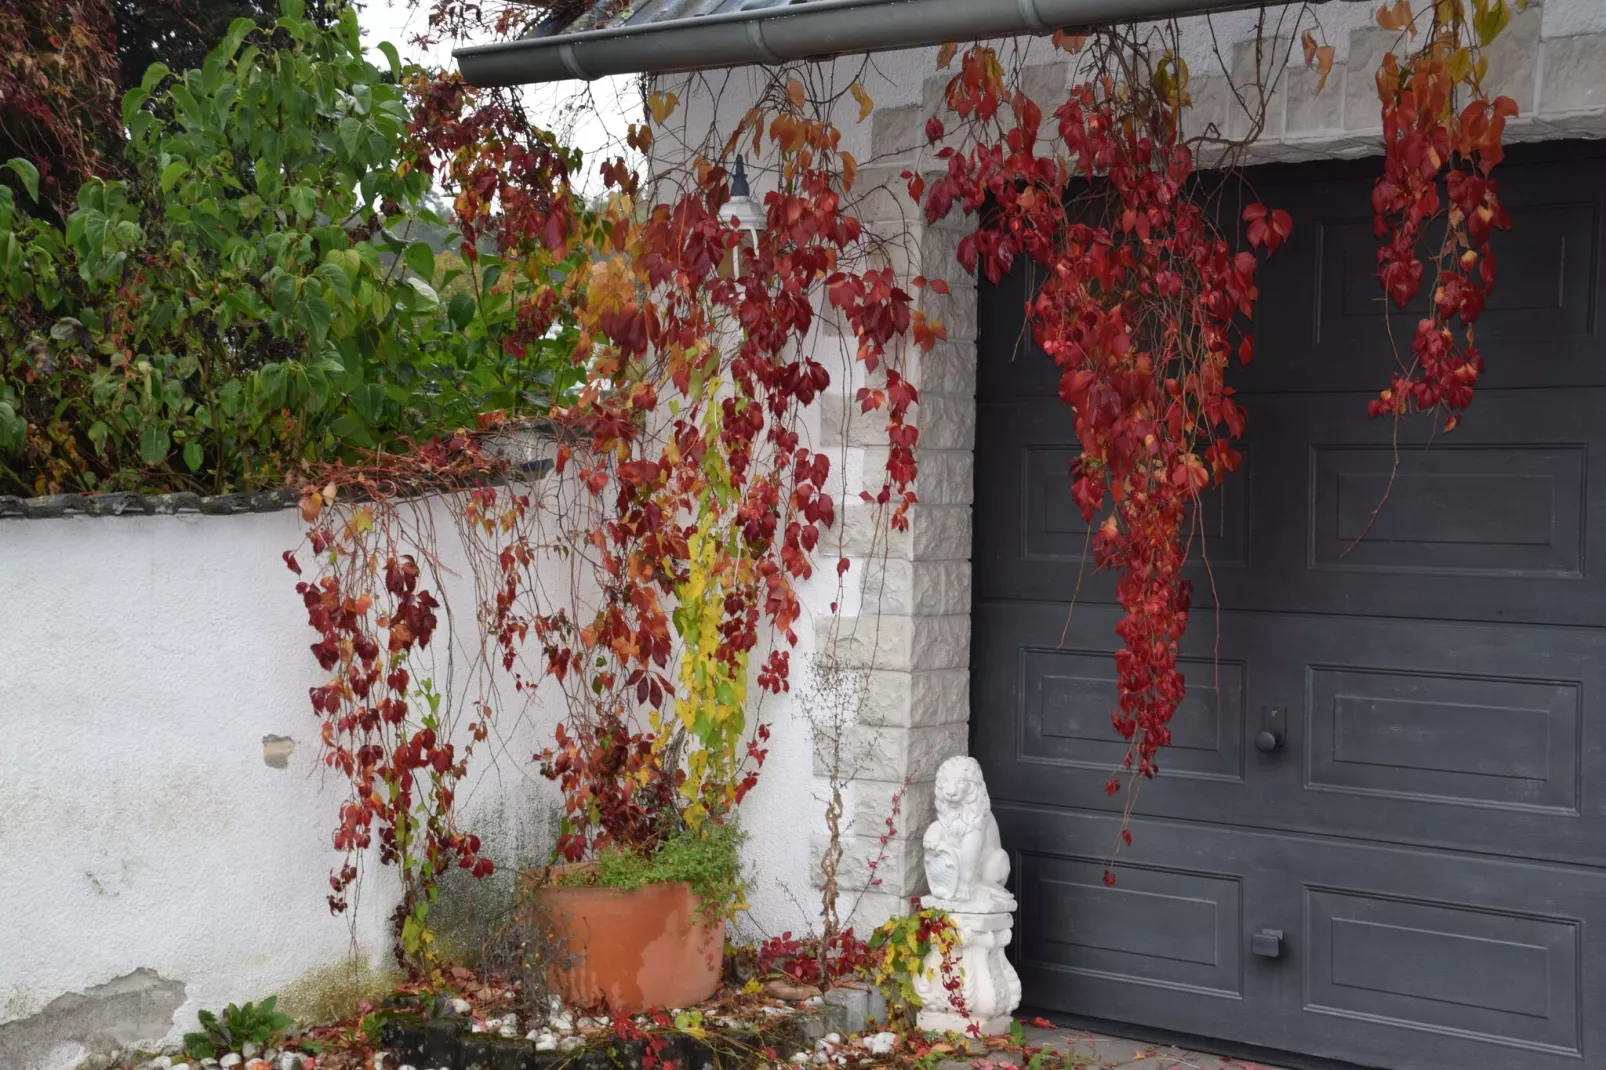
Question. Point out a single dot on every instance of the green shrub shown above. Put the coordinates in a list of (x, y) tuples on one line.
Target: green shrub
[(256, 294), (261, 1023)]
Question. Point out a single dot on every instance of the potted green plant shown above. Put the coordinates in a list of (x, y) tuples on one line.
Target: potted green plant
[(634, 909)]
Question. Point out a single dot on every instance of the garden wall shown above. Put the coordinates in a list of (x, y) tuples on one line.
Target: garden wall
[(165, 817)]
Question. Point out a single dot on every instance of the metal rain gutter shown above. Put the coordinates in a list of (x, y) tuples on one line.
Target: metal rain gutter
[(817, 29)]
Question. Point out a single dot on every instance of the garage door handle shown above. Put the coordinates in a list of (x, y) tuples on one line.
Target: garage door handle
[(1267, 943), (1273, 729)]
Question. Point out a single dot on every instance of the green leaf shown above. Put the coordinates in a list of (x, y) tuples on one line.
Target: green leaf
[(10, 254), (421, 259), (95, 230), (172, 173), (194, 456), (304, 200), (133, 101), (427, 296), (199, 1046), (350, 134), (285, 288), (461, 310), (97, 434), (335, 277), (28, 173), (153, 443), (292, 9), (395, 60), (1490, 20)]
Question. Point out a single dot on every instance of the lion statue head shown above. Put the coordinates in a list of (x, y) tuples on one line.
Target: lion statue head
[(962, 802)]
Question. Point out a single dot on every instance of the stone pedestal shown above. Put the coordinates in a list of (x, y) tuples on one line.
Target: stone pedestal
[(990, 988)]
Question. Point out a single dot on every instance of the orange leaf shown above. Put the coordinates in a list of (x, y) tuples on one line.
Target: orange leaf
[(1397, 17), (794, 93), (945, 54), (850, 168), (866, 105), (1324, 65), (1070, 42)]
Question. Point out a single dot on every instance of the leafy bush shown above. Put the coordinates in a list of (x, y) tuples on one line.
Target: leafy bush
[(261, 1023), (256, 294)]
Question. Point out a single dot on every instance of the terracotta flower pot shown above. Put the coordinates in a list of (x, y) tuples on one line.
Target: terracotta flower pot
[(630, 950)]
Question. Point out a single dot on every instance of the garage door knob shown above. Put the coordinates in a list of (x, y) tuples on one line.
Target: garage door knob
[(1267, 943), (1273, 728)]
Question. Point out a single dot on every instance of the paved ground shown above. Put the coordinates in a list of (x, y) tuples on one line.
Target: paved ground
[(1110, 1052)]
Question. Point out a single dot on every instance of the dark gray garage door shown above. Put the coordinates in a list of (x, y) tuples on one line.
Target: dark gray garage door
[(1430, 839)]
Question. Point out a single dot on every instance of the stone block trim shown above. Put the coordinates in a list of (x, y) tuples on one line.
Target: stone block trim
[(900, 871)]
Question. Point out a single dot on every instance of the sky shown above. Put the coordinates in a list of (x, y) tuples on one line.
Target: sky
[(589, 116)]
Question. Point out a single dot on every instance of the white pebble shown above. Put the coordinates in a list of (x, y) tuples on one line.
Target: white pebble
[(880, 1043), (231, 1059), (161, 1062), (564, 1022), (477, 1027), (546, 1042), (461, 1006), (534, 1034), (249, 1049), (289, 1060), (571, 1044), (801, 1057)]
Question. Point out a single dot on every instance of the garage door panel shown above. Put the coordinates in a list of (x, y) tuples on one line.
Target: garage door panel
[(1156, 926), (1465, 735), (1509, 500), (1068, 695), (1441, 968), (1320, 321), (1511, 510), (1390, 956), (1474, 740)]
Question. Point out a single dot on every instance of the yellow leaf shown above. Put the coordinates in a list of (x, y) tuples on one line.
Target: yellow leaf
[(866, 105), (945, 54), (794, 93), (662, 105)]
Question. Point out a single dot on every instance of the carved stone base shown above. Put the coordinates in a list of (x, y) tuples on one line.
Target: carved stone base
[(989, 989), (944, 1022)]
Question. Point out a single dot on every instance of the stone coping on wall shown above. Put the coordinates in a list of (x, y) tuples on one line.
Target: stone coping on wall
[(522, 447), (129, 503)]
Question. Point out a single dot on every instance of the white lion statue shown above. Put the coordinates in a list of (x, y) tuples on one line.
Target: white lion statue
[(965, 863)]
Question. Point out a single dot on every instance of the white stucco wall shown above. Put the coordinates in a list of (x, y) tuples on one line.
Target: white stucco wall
[(142, 662), (141, 826)]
